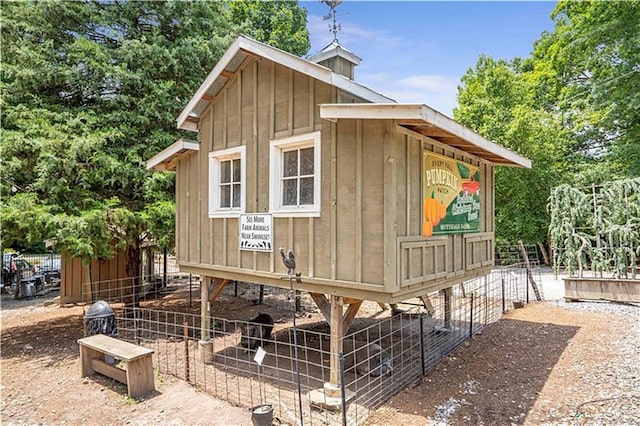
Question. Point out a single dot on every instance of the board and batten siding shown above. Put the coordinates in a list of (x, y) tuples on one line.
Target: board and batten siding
[(103, 277), (367, 240), (437, 262)]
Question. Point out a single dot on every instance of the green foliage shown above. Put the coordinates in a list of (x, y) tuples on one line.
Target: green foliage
[(89, 91), (571, 234), (588, 68), (600, 226), (573, 108), (497, 101), (278, 23)]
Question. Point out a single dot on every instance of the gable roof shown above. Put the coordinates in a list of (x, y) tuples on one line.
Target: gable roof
[(416, 117), (244, 47), (426, 121)]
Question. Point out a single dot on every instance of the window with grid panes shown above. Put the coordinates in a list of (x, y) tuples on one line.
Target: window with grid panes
[(295, 175), (227, 182), (230, 184)]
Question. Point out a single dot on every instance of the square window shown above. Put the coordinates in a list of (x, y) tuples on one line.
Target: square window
[(295, 176), (226, 182)]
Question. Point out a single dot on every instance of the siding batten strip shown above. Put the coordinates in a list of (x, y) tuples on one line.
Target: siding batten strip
[(272, 102), (254, 157), (225, 114), (312, 106), (390, 222), (239, 83), (358, 207), (311, 246), (290, 111), (334, 201), (272, 125), (290, 242), (224, 241), (408, 180)]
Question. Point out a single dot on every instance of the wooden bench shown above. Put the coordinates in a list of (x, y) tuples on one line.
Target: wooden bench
[(137, 373)]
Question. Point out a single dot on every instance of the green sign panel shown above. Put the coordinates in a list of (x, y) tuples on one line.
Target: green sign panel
[(451, 196)]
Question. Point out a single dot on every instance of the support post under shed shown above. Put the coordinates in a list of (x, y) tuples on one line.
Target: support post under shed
[(333, 387), (330, 396), (210, 289)]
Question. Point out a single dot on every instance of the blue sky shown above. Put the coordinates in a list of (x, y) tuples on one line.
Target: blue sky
[(416, 51)]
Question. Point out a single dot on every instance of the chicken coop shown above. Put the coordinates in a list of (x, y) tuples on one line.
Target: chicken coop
[(377, 200)]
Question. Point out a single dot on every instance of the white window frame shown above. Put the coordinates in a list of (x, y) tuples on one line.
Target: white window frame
[(215, 158), (277, 147)]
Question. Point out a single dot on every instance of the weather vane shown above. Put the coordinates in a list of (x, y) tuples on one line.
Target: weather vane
[(335, 27)]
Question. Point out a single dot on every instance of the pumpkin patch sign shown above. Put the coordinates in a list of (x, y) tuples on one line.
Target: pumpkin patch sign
[(451, 196)]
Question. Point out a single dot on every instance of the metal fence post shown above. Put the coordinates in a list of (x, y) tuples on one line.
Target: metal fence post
[(164, 268), (135, 326), (471, 319), (527, 285), (342, 391), (422, 361), (503, 301)]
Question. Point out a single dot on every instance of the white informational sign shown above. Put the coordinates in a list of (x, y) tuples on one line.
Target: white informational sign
[(260, 354), (256, 232)]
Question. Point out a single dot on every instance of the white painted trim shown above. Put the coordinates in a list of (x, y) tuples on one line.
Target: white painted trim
[(423, 113), (214, 181), (158, 161), (215, 72), (335, 49), (243, 43), (275, 174)]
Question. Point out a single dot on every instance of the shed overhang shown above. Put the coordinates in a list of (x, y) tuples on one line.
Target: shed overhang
[(244, 48), (166, 159), (428, 122)]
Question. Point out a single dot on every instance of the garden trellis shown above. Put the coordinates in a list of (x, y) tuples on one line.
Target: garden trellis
[(596, 227)]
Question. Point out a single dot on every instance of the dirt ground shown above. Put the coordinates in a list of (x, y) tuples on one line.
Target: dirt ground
[(548, 363)]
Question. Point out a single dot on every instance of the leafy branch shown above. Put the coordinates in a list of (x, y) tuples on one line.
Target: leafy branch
[(611, 220)]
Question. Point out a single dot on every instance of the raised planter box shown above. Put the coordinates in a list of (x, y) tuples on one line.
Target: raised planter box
[(614, 290)]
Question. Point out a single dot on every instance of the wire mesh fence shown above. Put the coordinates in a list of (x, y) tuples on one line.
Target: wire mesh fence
[(25, 275), (135, 289), (381, 354)]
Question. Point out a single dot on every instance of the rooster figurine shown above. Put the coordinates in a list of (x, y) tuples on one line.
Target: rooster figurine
[(289, 261)]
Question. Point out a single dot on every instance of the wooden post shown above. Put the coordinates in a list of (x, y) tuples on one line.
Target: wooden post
[(447, 307), (545, 256), (186, 351), (205, 312), (529, 274), (336, 341), (428, 305)]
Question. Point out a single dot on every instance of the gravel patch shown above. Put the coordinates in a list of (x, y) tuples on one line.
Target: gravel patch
[(612, 308)]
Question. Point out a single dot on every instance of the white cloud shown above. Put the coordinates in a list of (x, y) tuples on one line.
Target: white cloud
[(437, 91), (350, 35), (387, 63)]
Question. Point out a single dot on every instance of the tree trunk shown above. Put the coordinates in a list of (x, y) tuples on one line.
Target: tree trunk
[(133, 273)]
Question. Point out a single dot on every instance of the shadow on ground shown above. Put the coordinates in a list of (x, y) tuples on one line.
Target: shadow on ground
[(55, 338), (493, 379)]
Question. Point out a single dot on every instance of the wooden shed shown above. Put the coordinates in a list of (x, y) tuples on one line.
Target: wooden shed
[(378, 200), (79, 282)]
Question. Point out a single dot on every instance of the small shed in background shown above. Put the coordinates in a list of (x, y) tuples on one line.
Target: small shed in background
[(78, 282)]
